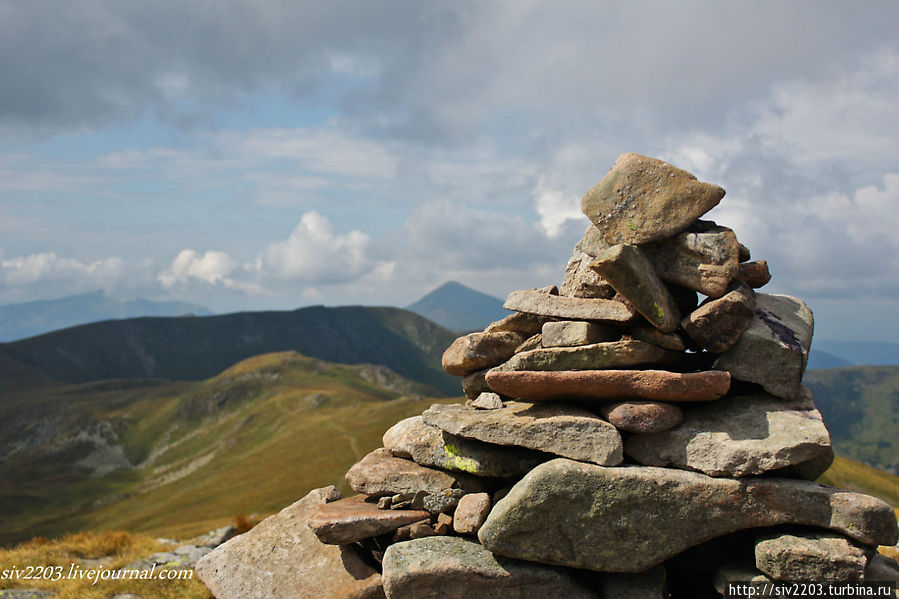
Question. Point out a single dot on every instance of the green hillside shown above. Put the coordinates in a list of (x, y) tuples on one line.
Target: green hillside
[(860, 405), (181, 458), (193, 348)]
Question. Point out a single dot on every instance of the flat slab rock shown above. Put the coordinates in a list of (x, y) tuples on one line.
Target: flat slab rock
[(631, 518), (810, 557), (741, 436), (773, 351), (535, 301), (603, 385), (430, 446), (353, 519), (559, 429), (596, 356), (281, 558), (380, 474), (642, 199), (456, 568)]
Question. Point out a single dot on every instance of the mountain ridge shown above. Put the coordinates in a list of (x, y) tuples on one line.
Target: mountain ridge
[(459, 308)]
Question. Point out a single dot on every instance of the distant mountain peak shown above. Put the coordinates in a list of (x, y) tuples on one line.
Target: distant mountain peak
[(459, 308)]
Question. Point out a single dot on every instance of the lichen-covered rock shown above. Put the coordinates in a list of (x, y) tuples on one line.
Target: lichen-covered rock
[(534, 301), (430, 446), (554, 428), (380, 473), (773, 351)]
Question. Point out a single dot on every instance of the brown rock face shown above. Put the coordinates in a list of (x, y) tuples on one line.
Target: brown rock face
[(524, 324), (628, 270), (475, 383), (603, 385), (471, 513), (718, 324), (580, 280), (282, 558), (572, 333), (353, 519), (642, 199), (810, 557), (533, 301), (703, 258), (479, 350), (642, 416), (755, 274)]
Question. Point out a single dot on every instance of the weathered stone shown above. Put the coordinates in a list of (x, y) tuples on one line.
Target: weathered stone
[(640, 585), (471, 513), (456, 568), (552, 428), (718, 324), (810, 557), (741, 571), (881, 568), (477, 351), (430, 446), (755, 274), (773, 351), (628, 270), (631, 518), (642, 199), (571, 333), (596, 356), (524, 324), (739, 436), (638, 416), (416, 530), (744, 254), (530, 343), (475, 383), (653, 335), (380, 473), (281, 558), (603, 385), (487, 401), (444, 524), (704, 258), (580, 280), (443, 501), (353, 519), (575, 308)]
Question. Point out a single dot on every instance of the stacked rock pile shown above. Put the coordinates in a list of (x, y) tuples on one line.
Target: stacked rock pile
[(621, 439)]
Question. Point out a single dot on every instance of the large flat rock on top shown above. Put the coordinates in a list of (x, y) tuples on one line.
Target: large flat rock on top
[(773, 351), (630, 518), (560, 429), (281, 558), (603, 385), (430, 446), (741, 436), (534, 301), (642, 199), (456, 568)]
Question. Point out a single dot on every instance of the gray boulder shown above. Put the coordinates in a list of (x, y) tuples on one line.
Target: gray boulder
[(810, 557)]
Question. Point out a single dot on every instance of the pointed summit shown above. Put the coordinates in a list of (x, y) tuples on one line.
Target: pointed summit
[(459, 308)]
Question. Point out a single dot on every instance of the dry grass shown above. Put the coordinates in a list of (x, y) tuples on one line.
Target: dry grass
[(92, 551)]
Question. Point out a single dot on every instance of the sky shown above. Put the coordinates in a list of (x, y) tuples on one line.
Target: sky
[(248, 155)]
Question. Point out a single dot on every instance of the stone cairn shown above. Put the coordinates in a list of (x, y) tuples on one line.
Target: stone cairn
[(621, 439)]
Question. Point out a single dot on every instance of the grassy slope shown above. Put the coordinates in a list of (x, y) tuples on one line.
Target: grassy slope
[(860, 405), (253, 439), (855, 476), (193, 348)]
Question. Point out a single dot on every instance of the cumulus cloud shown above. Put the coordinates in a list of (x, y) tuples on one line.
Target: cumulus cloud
[(555, 208), (313, 253), (48, 267)]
